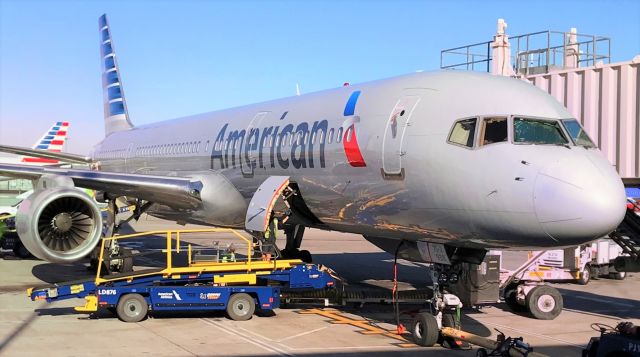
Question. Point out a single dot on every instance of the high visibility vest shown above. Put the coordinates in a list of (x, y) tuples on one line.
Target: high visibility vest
[(272, 228)]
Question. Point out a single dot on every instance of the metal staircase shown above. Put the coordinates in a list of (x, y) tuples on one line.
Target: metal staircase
[(627, 236)]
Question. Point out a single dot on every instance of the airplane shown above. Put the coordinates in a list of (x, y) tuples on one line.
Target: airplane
[(437, 167), (53, 140)]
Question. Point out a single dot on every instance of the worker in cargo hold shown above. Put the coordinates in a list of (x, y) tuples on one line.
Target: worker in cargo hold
[(270, 236), (229, 255)]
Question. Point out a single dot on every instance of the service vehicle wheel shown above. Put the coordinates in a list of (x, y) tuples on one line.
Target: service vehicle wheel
[(132, 308), (20, 251), (241, 307), (619, 275), (424, 329), (509, 295), (127, 263), (544, 302), (585, 276)]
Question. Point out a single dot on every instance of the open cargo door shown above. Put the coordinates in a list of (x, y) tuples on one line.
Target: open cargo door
[(262, 202)]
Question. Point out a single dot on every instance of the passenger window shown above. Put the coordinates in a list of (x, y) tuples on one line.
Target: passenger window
[(339, 135), (463, 132), (330, 136), (349, 133), (494, 130)]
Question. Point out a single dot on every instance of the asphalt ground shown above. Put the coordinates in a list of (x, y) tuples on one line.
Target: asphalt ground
[(35, 328)]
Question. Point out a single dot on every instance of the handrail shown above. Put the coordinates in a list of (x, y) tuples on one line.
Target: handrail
[(169, 235), (2, 218)]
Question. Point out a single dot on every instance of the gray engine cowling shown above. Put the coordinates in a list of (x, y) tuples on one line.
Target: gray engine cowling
[(59, 224)]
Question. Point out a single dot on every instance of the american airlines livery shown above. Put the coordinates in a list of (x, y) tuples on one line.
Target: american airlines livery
[(448, 163), (53, 140)]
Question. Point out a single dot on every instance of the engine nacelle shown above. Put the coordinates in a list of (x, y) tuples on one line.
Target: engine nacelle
[(59, 224)]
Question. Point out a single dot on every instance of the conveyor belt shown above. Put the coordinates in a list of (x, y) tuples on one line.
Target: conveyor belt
[(354, 294), (135, 273)]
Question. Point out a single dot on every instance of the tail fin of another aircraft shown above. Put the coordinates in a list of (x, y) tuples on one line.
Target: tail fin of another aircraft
[(116, 117), (53, 140)]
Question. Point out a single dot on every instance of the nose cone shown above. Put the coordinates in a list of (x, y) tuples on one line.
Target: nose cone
[(579, 199)]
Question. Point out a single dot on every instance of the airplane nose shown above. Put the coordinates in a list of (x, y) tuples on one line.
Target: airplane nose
[(576, 201)]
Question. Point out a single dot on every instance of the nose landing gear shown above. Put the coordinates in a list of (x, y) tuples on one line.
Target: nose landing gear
[(444, 309)]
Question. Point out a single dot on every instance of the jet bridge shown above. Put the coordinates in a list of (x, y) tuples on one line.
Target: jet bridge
[(575, 69)]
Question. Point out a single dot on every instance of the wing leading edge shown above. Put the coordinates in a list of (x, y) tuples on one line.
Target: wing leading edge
[(64, 157), (176, 192)]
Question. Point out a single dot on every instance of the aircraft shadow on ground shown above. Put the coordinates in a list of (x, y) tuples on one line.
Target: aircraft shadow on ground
[(600, 304), (363, 268)]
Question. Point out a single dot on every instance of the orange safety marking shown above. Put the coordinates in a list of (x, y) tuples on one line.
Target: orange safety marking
[(337, 318)]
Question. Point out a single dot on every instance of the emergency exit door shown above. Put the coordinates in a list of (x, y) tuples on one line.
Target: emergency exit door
[(395, 132)]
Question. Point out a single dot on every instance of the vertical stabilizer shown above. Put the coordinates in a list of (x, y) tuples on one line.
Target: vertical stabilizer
[(116, 117), (54, 140)]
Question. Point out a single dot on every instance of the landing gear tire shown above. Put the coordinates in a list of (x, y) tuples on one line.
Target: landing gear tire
[(481, 352), (241, 307), (544, 302), (305, 256), (424, 330), (510, 294), (619, 275), (132, 308), (585, 276)]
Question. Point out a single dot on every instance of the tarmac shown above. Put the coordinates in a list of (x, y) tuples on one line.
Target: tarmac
[(36, 328)]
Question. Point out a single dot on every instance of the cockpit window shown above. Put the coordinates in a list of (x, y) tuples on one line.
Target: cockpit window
[(494, 130), (463, 132), (578, 135), (535, 131)]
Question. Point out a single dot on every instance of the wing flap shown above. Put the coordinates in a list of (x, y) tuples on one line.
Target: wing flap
[(177, 192)]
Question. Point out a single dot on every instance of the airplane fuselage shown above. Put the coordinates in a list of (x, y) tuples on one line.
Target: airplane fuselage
[(377, 159)]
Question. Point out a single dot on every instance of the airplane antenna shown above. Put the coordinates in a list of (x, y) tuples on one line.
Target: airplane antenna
[(297, 89)]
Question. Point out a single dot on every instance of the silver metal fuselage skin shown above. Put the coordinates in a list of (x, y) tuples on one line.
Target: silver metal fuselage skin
[(503, 195)]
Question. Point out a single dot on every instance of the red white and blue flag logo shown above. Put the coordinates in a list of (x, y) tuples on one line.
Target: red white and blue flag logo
[(53, 140)]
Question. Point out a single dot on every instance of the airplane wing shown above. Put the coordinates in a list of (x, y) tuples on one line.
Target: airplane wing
[(177, 192), (69, 158)]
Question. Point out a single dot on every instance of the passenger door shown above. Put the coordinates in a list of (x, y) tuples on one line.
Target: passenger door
[(394, 136)]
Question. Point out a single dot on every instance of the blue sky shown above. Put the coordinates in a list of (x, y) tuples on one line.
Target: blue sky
[(185, 57)]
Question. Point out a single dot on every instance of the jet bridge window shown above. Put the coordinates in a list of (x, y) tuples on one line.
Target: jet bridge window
[(463, 132), (494, 130)]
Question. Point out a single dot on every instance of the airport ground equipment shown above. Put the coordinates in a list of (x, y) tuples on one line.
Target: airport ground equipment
[(503, 346), (238, 285), (628, 237), (524, 289), (9, 238), (623, 340)]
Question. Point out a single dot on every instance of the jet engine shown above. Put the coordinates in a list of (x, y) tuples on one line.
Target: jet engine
[(59, 224)]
